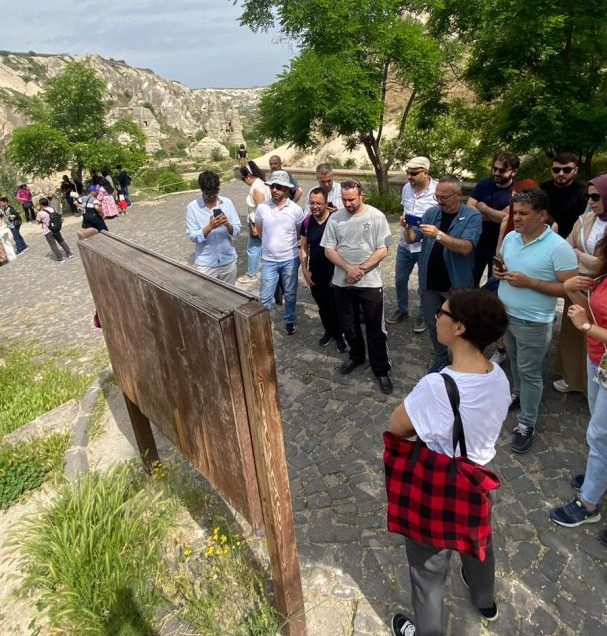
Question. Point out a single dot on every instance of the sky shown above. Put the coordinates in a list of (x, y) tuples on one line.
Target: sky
[(199, 43)]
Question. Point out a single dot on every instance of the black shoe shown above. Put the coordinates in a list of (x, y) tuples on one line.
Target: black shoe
[(348, 367), (325, 340), (402, 626), (523, 438), (290, 328), (342, 345), (489, 613), (385, 384), (577, 482)]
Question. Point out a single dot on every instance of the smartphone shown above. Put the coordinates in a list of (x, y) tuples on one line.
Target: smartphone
[(411, 219), (498, 264), (217, 212)]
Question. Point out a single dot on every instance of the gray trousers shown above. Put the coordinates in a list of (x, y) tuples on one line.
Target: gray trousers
[(432, 301), (428, 569), (54, 239)]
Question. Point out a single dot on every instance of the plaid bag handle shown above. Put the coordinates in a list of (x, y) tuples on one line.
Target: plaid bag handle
[(458, 428)]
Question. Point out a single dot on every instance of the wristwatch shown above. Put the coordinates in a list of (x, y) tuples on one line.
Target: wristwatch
[(439, 236), (586, 327)]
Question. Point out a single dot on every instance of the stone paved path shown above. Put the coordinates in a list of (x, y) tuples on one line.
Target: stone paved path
[(550, 580)]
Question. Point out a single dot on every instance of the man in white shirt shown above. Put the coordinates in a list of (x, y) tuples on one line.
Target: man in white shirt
[(324, 176), (418, 196), (278, 223)]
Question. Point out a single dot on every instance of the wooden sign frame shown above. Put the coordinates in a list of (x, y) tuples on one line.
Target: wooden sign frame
[(195, 356)]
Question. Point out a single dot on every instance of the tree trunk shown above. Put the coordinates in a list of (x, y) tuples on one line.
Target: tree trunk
[(380, 169), (586, 164)]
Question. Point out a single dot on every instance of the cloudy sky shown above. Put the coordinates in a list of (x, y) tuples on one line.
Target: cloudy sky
[(197, 42)]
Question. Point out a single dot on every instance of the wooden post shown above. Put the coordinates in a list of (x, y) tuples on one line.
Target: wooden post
[(143, 434), (254, 334)]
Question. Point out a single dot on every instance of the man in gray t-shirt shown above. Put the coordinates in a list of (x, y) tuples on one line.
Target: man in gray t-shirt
[(356, 240)]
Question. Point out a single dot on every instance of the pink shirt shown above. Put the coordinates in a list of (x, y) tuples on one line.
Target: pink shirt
[(43, 217), (598, 304), (24, 195)]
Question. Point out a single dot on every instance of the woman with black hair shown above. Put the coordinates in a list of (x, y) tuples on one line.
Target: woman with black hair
[(468, 321)]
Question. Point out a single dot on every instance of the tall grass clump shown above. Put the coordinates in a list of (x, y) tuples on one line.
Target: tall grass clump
[(33, 382), (389, 203), (92, 555)]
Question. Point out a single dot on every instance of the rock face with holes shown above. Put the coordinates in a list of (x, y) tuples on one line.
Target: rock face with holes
[(158, 105)]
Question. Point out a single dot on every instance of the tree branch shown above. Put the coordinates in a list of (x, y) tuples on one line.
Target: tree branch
[(401, 130), (384, 82)]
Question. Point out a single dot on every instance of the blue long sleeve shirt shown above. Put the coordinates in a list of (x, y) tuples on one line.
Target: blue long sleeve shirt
[(216, 249)]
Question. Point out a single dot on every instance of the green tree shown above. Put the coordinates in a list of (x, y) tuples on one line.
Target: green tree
[(355, 57), (541, 66), (70, 128)]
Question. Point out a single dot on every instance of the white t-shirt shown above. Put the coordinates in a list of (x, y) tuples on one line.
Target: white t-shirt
[(257, 186), (279, 230), (484, 402)]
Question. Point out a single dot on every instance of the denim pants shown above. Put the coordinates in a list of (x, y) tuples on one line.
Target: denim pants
[(483, 257), (428, 569), (253, 255), (527, 343), (432, 301), (595, 479), (271, 273), (19, 242), (405, 262)]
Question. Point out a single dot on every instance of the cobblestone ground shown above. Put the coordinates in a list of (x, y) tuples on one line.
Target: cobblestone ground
[(550, 580)]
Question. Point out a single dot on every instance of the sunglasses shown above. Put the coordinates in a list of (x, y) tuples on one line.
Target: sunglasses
[(411, 173), (595, 197), (564, 169), (444, 312)]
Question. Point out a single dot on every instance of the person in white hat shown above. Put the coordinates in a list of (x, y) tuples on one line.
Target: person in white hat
[(278, 223), (418, 196)]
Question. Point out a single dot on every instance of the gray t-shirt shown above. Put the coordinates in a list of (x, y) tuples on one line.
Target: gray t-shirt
[(356, 237)]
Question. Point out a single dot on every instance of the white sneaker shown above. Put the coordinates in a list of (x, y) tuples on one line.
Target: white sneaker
[(561, 386), (246, 278), (498, 357)]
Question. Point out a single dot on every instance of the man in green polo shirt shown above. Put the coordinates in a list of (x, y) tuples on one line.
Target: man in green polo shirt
[(537, 263)]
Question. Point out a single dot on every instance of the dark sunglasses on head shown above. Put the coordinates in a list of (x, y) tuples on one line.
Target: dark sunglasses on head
[(564, 169), (595, 197)]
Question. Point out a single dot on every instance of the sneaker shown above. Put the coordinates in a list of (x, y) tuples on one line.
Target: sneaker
[(402, 626), (385, 384), (342, 345), (489, 613), (561, 386), (420, 325), (577, 481), (325, 340), (523, 438), (515, 402), (396, 316), (574, 514), (499, 356), (70, 256), (290, 328), (246, 278), (23, 250)]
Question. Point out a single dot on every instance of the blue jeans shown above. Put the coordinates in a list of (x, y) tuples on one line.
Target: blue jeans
[(127, 196), (19, 242), (527, 343), (253, 255), (595, 480), (286, 271), (405, 262)]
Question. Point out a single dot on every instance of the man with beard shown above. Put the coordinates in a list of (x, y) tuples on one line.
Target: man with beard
[(491, 197), (318, 270), (356, 240), (566, 196), (277, 223), (276, 165)]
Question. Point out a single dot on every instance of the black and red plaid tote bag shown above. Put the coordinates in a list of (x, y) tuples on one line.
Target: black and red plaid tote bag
[(435, 499)]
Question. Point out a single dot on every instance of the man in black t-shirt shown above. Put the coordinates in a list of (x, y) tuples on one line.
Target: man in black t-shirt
[(566, 196), (317, 269)]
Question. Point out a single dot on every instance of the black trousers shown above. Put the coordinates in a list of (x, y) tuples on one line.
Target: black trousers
[(369, 300), (327, 308)]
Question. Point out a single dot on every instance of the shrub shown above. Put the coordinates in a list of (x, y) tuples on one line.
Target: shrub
[(25, 466), (389, 203), (350, 163), (171, 181)]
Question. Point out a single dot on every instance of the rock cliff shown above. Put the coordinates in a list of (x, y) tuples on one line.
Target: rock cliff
[(158, 105)]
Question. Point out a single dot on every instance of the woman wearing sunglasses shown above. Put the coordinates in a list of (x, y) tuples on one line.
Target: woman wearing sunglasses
[(589, 316), (587, 232)]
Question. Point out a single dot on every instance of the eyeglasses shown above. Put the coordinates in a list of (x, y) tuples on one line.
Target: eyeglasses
[(316, 204), (442, 312), (446, 197), (499, 170), (595, 197), (563, 169)]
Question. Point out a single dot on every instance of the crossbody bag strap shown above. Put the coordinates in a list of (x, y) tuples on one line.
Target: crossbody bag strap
[(458, 428)]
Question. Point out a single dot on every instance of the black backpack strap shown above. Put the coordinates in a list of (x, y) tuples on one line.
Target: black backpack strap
[(458, 428)]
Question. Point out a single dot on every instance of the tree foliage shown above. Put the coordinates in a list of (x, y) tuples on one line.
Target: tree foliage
[(70, 128), (541, 66), (355, 54)]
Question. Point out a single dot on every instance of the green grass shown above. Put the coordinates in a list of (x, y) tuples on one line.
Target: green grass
[(34, 381), (92, 555), (26, 466)]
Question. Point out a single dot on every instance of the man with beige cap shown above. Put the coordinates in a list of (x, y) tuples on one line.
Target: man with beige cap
[(418, 196)]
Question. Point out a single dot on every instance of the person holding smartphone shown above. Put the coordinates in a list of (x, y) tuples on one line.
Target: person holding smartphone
[(212, 224)]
